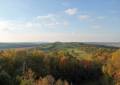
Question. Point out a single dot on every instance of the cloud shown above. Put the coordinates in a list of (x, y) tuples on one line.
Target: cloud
[(51, 21), (96, 26), (4, 25), (101, 17), (84, 17), (39, 22), (71, 11)]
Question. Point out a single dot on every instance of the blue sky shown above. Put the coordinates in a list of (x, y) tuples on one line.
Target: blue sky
[(60, 20)]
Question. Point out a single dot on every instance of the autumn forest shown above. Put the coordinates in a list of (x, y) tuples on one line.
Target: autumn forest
[(60, 64)]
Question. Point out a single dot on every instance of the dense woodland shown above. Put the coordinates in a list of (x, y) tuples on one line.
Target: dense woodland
[(60, 64)]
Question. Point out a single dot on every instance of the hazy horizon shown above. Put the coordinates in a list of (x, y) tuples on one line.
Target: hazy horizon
[(59, 20), (60, 42)]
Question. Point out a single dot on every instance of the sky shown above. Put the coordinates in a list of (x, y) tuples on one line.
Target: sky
[(60, 20)]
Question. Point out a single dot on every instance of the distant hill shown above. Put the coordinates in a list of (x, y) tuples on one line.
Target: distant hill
[(70, 45), (58, 45), (113, 44), (17, 45)]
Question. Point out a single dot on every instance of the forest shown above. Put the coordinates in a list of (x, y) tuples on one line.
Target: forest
[(60, 64)]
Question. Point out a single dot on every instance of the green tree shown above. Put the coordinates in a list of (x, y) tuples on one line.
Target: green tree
[(5, 78)]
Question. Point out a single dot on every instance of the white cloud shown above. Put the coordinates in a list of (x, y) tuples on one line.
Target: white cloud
[(84, 17), (39, 22), (101, 17), (4, 25), (71, 11), (96, 26), (50, 21)]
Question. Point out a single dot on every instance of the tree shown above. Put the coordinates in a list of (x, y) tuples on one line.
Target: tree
[(116, 60), (112, 68), (5, 78), (59, 82), (27, 78), (48, 80)]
